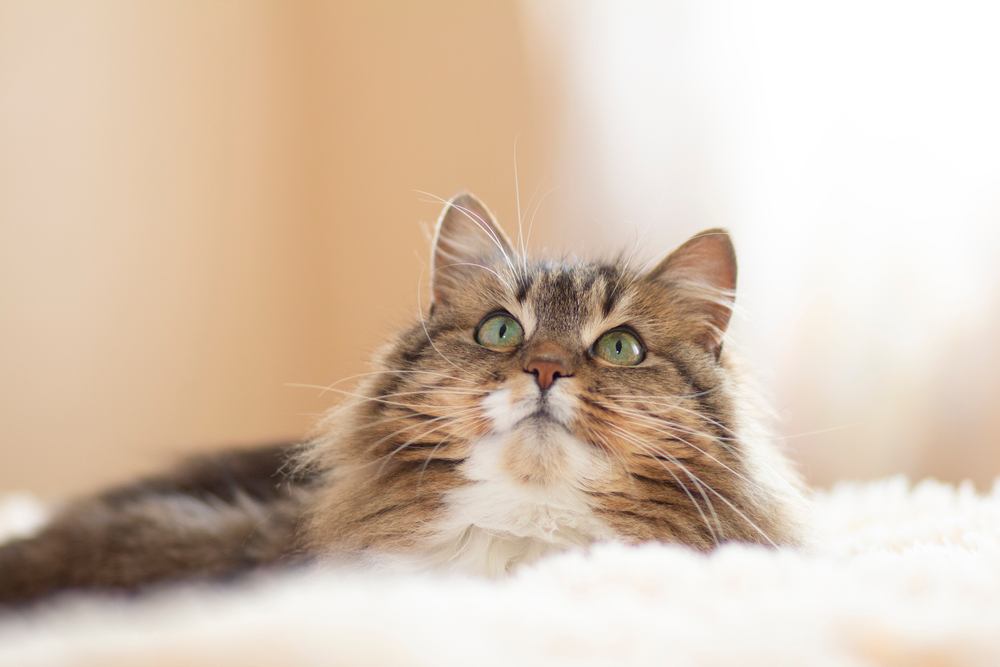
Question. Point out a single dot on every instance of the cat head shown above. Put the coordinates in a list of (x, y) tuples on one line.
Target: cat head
[(591, 385)]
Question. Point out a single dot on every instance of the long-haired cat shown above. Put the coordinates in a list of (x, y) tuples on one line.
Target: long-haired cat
[(540, 406)]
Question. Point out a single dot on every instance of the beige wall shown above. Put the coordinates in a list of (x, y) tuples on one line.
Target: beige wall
[(202, 202)]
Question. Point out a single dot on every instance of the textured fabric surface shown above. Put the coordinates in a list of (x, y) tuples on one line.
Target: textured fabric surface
[(895, 575)]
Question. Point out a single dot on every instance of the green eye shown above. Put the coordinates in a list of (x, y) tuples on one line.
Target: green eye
[(500, 332), (620, 347)]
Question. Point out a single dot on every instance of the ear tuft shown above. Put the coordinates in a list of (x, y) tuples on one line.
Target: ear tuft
[(704, 269), (467, 234)]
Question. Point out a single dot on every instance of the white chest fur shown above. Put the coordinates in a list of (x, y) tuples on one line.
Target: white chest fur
[(496, 522)]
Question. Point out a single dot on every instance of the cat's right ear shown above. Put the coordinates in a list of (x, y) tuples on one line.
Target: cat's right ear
[(467, 236)]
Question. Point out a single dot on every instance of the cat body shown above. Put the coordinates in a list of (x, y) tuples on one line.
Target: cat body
[(540, 406)]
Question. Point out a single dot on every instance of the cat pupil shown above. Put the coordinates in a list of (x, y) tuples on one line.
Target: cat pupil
[(618, 346), (503, 330)]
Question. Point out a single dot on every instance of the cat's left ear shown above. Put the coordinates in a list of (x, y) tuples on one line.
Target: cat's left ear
[(703, 272), (467, 238)]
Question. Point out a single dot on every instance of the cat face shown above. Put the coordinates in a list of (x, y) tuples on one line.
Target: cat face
[(544, 404)]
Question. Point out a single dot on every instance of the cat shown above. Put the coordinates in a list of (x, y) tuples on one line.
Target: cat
[(541, 406)]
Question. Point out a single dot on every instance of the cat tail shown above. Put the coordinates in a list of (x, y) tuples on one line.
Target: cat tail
[(211, 518)]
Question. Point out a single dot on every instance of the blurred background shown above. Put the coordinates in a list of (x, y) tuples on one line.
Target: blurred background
[(204, 204)]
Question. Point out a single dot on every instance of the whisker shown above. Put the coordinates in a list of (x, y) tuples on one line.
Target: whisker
[(675, 406), (697, 394), (388, 437), (724, 440), (375, 399), (635, 441), (449, 391), (659, 420), (820, 431), (739, 513), (656, 422), (626, 265), (387, 371), (517, 202), (406, 444)]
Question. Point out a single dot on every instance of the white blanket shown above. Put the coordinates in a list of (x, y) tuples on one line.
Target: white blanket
[(897, 575)]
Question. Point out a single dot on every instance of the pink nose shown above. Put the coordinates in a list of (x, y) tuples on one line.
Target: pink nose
[(546, 371)]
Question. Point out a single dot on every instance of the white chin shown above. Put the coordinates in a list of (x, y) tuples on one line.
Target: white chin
[(534, 411), (541, 425)]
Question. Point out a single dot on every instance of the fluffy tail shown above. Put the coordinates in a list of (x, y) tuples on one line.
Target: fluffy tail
[(213, 517)]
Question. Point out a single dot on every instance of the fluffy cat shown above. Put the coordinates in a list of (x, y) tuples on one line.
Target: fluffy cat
[(540, 406)]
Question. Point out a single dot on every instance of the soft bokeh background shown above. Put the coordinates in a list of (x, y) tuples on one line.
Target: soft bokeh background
[(204, 204)]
